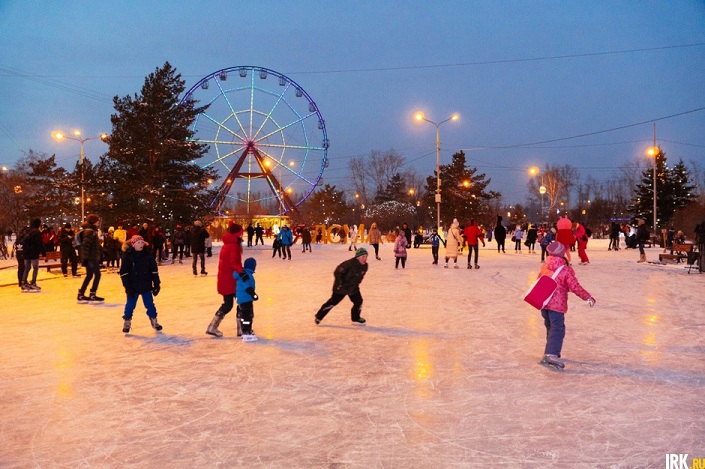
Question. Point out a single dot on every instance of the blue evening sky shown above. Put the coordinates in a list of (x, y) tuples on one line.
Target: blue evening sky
[(518, 72)]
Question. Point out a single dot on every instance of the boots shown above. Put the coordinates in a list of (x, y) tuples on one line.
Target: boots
[(127, 326), (642, 258), (213, 326), (155, 324)]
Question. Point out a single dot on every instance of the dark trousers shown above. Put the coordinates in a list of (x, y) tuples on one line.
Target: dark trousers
[(147, 300), (66, 256), (227, 306), (434, 252), (336, 298), (403, 262), (472, 248), (32, 264), (500, 244), (92, 273), (259, 239), (180, 249), (555, 331), (19, 255), (246, 314), (286, 250), (196, 255), (543, 252), (376, 246)]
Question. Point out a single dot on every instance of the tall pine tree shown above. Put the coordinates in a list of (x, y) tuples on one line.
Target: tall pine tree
[(149, 170), (673, 191), (463, 194)]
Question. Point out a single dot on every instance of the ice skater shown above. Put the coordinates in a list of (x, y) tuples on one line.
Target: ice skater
[(245, 296), (435, 244), (229, 269), (348, 276), (556, 308), (452, 243), (91, 252), (400, 246), (140, 277)]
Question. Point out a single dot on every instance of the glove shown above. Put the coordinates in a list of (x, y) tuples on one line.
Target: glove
[(156, 289), (591, 302), (244, 277), (251, 291)]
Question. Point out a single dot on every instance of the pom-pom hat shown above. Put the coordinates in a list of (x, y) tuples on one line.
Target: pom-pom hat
[(555, 248)]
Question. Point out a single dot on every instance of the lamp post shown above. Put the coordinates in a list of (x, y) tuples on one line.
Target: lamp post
[(419, 116), (534, 171), (654, 152), (77, 137)]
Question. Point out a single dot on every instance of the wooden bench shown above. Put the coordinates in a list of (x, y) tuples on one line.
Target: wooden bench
[(54, 256), (678, 253)]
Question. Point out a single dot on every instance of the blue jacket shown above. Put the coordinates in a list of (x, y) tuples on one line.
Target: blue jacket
[(547, 238), (241, 289), (286, 237)]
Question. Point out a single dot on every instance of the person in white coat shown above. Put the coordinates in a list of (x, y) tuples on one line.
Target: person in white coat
[(452, 243)]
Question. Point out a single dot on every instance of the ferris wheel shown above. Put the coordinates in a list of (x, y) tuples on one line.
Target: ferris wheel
[(266, 137)]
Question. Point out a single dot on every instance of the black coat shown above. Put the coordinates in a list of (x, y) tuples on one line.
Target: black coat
[(348, 277), (198, 239), (33, 245), (139, 272)]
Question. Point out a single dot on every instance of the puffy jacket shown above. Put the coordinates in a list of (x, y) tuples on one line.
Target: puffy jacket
[(33, 245), (198, 239), (348, 276), (374, 235), (138, 271), (90, 243), (286, 237), (472, 233), (400, 246), (242, 295), (567, 282), (229, 261)]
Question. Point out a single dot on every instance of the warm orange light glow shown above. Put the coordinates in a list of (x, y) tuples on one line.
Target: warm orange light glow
[(652, 151), (412, 191), (419, 116), (533, 170), (77, 133), (455, 117), (542, 190), (466, 183)]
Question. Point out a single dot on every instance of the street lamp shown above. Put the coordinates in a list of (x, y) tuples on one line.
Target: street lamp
[(77, 137), (534, 171), (419, 116), (654, 152)]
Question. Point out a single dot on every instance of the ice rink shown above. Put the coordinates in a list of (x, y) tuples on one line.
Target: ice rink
[(444, 375)]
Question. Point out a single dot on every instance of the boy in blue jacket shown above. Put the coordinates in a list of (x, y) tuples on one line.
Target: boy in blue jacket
[(245, 296), (139, 276)]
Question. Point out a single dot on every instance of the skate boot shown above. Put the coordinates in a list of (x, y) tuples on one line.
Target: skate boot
[(456, 266), (26, 288), (95, 298), (249, 336), (213, 326), (155, 324), (195, 274), (127, 325), (35, 287), (315, 318), (359, 320), (203, 272), (477, 266), (552, 361), (81, 298)]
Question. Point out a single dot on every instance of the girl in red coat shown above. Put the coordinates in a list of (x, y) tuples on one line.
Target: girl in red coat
[(230, 261)]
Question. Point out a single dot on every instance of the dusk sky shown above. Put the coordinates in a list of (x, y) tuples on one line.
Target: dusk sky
[(525, 76)]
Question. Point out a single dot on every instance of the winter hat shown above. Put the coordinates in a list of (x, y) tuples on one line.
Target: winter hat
[(564, 224), (136, 238), (361, 252), (197, 223), (235, 229), (250, 264), (67, 225), (111, 229), (92, 218), (555, 248)]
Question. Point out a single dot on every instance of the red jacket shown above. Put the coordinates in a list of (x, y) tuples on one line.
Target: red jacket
[(230, 261), (472, 233)]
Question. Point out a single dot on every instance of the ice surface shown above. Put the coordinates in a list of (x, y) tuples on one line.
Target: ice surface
[(445, 374)]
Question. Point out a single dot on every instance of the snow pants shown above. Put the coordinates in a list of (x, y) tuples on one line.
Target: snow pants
[(147, 300), (336, 298), (555, 331)]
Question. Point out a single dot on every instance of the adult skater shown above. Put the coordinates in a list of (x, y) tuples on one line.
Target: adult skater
[(373, 237), (500, 234), (473, 236), (286, 237), (198, 246), (642, 236), (91, 252), (140, 277), (229, 264), (554, 312), (582, 237), (348, 276), (33, 248), (452, 243)]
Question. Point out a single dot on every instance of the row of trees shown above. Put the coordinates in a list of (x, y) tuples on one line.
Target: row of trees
[(148, 174)]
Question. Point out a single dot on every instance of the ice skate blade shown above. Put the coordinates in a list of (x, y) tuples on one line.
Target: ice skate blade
[(551, 366)]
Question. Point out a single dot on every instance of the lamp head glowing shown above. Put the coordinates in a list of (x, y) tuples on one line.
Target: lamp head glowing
[(652, 151), (455, 117), (57, 135), (419, 116)]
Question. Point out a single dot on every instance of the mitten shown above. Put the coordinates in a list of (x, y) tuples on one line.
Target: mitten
[(156, 289), (244, 277), (251, 291), (591, 302)]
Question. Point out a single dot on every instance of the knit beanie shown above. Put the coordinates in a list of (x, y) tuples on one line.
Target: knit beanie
[(250, 264), (361, 252)]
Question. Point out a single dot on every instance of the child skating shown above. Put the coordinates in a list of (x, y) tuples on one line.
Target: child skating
[(245, 296), (554, 312), (140, 277)]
